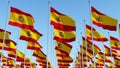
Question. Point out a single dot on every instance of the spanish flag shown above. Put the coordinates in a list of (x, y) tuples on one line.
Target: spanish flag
[(66, 36), (33, 46), (6, 33), (110, 52), (39, 54), (102, 20), (96, 35), (10, 46), (89, 45), (117, 62), (32, 36), (63, 47), (114, 43), (101, 57), (60, 54), (65, 59), (61, 21), (10, 62), (18, 55), (21, 19)]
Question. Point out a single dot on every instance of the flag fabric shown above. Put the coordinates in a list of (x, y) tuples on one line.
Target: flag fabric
[(65, 59), (117, 62), (33, 46), (32, 36), (114, 43), (21, 19), (96, 35), (18, 55), (103, 20), (6, 33), (110, 52), (66, 36), (61, 54), (61, 21), (10, 46), (39, 54), (89, 45), (10, 62), (63, 47)]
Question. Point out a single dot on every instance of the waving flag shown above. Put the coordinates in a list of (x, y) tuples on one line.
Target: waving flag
[(33, 46), (63, 47), (32, 36), (21, 19), (39, 54), (61, 21), (96, 35), (102, 20), (114, 43), (66, 36)]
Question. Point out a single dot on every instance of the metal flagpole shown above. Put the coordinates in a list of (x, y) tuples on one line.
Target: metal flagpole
[(85, 43), (82, 55), (104, 54), (3, 43), (111, 51), (92, 33), (48, 30)]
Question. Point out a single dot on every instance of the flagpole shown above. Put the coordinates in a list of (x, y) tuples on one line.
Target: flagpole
[(85, 42), (82, 55), (92, 32), (111, 51), (3, 43), (104, 54), (48, 31)]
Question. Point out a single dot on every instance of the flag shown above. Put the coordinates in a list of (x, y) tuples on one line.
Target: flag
[(63, 47), (96, 35), (60, 54), (102, 56), (114, 43), (110, 52), (103, 20), (89, 45), (33, 46), (32, 36), (61, 21), (65, 59), (66, 36), (6, 33), (10, 62), (10, 46), (21, 19), (117, 62), (18, 55), (39, 54)]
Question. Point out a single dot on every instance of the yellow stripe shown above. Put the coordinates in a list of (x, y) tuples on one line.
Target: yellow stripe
[(65, 20)]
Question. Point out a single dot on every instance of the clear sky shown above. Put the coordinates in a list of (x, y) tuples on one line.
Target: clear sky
[(76, 9)]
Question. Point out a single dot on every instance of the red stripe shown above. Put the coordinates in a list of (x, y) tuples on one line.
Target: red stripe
[(2, 30), (98, 39), (96, 11), (113, 38), (28, 39), (55, 11), (63, 64), (108, 27), (20, 12), (6, 41), (115, 48), (11, 55), (64, 40), (63, 27), (33, 48), (20, 59), (65, 61), (62, 55), (20, 25), (89, 27), (10, 49)]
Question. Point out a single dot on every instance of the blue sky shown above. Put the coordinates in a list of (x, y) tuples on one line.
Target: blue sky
[(76, 9)]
